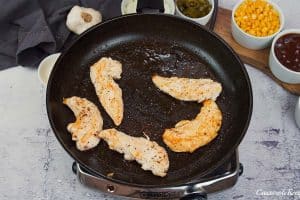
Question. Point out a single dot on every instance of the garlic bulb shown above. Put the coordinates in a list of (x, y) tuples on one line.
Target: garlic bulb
[(80, 19)]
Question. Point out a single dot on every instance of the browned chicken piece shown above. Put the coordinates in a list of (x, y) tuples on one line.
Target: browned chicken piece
[(189, 135), (147, 153), (187, 89), (102, 74), (88, 122)]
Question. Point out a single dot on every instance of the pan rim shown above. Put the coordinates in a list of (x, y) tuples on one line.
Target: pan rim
[(217, 164)]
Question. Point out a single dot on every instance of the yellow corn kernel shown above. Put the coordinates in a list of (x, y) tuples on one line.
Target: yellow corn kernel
[(260, 16), (252, 32), (270, 32)]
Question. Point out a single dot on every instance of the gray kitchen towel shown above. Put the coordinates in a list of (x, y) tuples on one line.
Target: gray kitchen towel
[(32, 29)]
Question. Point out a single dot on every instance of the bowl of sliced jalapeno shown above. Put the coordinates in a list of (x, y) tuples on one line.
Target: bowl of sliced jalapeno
[(199, 11)]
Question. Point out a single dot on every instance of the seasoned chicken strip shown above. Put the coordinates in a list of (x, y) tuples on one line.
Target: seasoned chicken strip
[(88, 122), (147, 153), (102, 74), (187, 136), (187, 89)]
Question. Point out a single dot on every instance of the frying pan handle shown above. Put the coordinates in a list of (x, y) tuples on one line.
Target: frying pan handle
[(195, 196), (150, 6)]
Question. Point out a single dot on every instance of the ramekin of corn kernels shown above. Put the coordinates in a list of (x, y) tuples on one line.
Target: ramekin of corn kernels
[(255, 23)]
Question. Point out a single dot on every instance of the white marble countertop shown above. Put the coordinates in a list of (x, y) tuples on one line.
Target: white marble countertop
[(34, 166)]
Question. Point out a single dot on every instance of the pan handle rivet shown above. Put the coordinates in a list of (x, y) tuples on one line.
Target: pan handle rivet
[(110, 188)]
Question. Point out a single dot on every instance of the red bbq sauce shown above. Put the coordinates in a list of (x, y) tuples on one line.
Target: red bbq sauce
[(287, 51)]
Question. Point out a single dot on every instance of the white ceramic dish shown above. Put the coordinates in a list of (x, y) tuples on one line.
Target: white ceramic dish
[(281, 72), (297, 112), (129, 6), (202, 20), (251, 41), (46, 66)]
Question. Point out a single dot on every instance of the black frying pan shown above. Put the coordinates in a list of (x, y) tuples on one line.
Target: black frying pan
[(147, 44)]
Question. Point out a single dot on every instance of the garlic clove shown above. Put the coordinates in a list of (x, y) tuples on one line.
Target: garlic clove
[(80, 19)]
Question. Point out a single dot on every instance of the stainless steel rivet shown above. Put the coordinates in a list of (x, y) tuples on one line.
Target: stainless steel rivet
[(110, 188)]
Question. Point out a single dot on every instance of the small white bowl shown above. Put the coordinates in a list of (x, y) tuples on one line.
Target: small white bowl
[(297, 112), (281, 72), (46, 66), (251, 41), (202, 20), (129, 6)]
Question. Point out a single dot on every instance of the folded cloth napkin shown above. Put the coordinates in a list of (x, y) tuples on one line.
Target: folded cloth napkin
[(32, 29)]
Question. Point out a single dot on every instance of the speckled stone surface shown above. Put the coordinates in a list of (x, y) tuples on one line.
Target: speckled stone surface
[(34, 166)]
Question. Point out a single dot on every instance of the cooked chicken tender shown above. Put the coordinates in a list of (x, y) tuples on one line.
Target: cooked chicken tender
[(88, 122), (147, 153), (187, 89), (189, 135), (102, 74)]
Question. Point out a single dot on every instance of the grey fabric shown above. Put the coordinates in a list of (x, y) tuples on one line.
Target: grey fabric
[(32, 29)]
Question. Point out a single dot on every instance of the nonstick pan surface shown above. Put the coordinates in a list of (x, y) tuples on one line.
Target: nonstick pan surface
[(148, 44)]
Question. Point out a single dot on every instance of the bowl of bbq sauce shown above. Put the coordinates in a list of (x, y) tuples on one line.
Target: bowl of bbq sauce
[(284, 59)]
